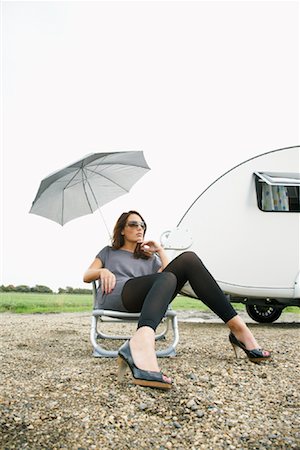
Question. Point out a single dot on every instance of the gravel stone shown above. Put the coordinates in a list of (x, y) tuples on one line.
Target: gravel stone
[(55, 395)]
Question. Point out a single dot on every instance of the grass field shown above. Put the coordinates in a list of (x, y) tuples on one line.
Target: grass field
[(44, 303), (28, 303)]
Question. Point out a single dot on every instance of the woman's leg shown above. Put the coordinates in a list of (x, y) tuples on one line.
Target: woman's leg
[(151, 296), (188, 267)]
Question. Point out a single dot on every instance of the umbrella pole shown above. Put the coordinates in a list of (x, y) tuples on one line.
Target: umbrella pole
[(110, 236), (85, 178)]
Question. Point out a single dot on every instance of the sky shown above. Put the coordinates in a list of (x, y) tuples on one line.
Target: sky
[(198, 86)]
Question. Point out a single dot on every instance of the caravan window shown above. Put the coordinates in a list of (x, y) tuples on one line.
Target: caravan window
[(278, 192)]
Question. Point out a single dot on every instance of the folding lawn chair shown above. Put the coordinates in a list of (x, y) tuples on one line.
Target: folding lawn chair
[(100, 317)]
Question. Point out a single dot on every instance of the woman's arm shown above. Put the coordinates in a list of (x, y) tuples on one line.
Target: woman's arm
[(93, 272), (96, 271), (163, 257)]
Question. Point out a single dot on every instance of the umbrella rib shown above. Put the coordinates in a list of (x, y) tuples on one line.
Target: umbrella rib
[(109, 179), (63, 195), (85, 179), (121, 164), (87, 169), (71, 179), (95, 173), (116, 164)]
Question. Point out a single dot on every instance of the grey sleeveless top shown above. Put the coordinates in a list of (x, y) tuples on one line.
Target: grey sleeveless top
[(124, 266)]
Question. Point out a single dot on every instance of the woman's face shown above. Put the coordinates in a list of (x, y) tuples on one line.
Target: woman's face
[(134, 229)]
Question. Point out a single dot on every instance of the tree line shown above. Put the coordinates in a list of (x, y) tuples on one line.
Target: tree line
[(38, 288)]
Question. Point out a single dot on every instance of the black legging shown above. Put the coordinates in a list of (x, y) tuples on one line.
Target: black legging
[(151, 294)]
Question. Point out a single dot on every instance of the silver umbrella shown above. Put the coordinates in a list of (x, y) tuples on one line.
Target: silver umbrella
[(84, 186)]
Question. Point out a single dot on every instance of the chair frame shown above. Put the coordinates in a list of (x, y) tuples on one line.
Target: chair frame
[(101, 316)]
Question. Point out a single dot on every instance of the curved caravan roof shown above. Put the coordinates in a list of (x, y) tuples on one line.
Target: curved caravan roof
[(252, 249)]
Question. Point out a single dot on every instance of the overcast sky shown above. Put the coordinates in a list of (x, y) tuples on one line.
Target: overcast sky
[(199, 86)]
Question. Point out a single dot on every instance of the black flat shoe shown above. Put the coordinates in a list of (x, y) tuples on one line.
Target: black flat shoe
[(256, 355), (141, 377)]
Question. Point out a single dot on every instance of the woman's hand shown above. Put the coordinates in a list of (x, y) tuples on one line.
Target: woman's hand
[(151, 247), (108, 281), (97, 272)]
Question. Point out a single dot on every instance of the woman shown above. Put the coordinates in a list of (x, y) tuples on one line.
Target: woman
[(135, 276)]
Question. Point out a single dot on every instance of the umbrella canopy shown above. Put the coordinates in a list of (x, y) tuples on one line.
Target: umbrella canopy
[(84, 186)]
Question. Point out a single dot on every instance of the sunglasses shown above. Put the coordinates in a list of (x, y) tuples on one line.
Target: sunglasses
[(135, 224)]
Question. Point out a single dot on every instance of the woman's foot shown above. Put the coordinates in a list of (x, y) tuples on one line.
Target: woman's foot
[(142, 346), (146, 378), (256, 355), (242, 337), (242, 333)]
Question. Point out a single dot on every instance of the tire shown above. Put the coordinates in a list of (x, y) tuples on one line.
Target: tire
[(263, 314)]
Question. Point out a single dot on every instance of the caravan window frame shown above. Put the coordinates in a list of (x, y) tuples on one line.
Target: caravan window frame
[(291, 181)]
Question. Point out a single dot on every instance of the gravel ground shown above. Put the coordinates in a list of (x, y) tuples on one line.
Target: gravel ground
[(56, 395)]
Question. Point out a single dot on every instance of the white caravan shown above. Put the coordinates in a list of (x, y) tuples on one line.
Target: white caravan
[(246, 229)]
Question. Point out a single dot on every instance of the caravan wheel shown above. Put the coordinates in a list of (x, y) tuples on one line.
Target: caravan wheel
[(263, 314)]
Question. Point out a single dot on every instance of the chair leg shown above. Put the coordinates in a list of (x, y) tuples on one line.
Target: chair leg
[(99, 351), (164, 332), (171, 350)]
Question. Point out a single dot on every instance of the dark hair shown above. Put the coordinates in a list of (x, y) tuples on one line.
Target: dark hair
[(118, 238)]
